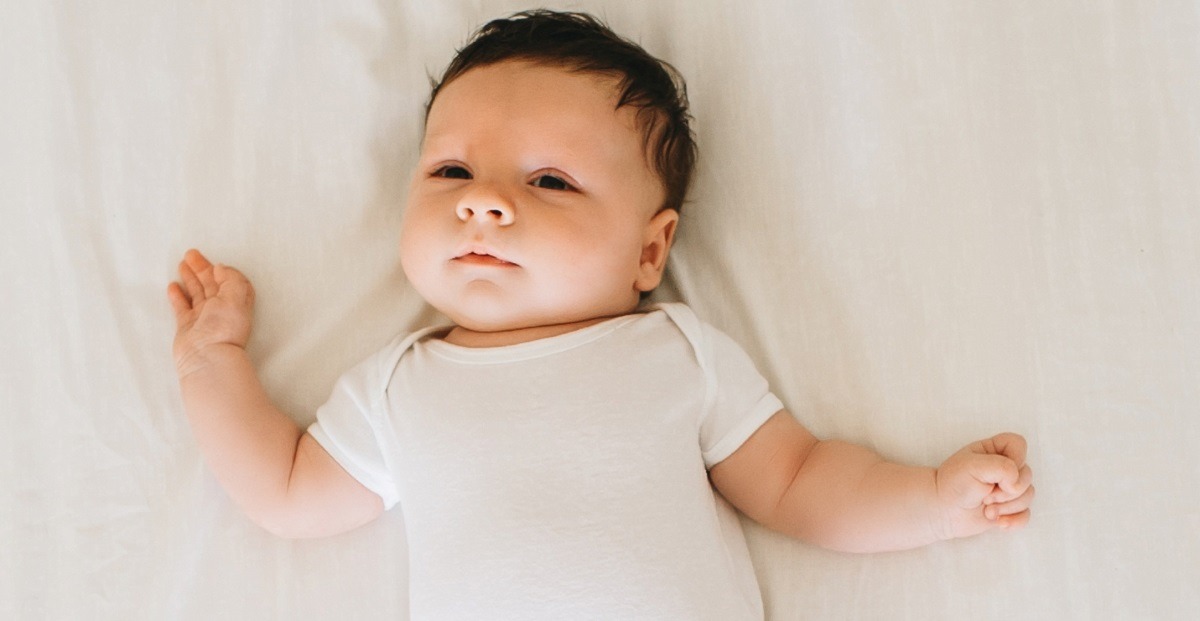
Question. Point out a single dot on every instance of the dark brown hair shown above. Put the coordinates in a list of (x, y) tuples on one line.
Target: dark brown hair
[(580, 42)]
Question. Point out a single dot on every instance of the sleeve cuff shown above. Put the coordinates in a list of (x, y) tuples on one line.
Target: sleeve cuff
[(733, 440), (381, 486)]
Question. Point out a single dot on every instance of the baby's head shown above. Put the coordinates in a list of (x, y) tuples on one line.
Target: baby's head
[(555, 160), (579, 43)]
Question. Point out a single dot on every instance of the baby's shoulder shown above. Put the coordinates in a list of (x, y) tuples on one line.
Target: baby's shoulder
[(701, 335)]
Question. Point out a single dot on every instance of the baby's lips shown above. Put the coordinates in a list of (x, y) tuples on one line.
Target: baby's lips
[(481, 253), (483, 259)]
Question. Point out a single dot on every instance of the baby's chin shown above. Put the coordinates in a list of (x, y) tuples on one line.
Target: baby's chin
[(492, 320), (476, 332), (487, 331), (495, 316)]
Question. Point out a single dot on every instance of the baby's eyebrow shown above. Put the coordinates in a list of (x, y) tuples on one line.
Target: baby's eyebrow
[(430, 140), (436, 138)]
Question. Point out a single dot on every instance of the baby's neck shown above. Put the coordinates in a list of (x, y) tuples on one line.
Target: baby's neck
[(470, 338)]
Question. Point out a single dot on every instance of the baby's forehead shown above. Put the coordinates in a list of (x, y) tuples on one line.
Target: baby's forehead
[(486, 84), (552, 100)]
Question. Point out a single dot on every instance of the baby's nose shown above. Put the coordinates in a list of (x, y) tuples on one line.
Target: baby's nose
[(486, 207)]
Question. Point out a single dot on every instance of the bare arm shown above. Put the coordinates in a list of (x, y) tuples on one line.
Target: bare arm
[(845, 497), (279, 476)]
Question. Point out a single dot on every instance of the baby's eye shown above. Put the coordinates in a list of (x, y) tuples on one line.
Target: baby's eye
[(550, 182), (451, 171)]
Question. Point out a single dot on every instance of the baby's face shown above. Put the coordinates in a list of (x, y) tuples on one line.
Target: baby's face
[(532, 203)]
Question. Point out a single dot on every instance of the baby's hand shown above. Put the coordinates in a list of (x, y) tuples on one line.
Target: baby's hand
[(213, 306), (984, 486)]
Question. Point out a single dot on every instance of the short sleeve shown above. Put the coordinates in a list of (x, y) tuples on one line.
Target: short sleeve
[(740, 400), (349, 425)]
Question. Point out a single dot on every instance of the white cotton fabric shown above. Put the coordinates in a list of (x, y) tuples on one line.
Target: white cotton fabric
[(925, 221), (563, 478)]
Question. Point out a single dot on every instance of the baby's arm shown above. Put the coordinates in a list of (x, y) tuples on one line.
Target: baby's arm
[(845, 497), (279, 476)]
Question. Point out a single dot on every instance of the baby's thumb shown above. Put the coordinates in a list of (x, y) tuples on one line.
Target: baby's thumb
[(238, 283), (996, 470), (223, 273)]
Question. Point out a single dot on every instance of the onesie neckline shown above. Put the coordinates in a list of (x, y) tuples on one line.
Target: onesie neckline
[(531, 349)]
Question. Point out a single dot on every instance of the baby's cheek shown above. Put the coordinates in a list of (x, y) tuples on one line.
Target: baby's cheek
[(417, 260), (602, 277)]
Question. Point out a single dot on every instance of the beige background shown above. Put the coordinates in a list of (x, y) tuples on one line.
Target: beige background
[(928, 221)]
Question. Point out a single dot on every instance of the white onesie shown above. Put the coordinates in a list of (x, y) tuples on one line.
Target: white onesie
[(563, 478)]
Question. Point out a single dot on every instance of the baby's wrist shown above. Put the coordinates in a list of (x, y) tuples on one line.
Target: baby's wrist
[(199, 357), (942, 513)]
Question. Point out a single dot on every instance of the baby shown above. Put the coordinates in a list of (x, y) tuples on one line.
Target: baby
[(562, 450)]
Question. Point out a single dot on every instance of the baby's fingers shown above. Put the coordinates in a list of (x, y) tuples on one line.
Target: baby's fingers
[(1012, 513), (180, 303), (203, 271), (231, 280), (191, 284), (1006, 493), (996, 470), (1010, 445), (1015, 521)]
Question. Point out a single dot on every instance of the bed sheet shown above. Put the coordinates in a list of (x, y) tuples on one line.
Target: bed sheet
[(927, 221)]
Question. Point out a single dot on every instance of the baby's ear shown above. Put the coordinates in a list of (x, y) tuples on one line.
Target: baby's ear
[(656, 245)]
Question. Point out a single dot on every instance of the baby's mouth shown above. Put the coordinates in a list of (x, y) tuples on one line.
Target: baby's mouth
[(476, 258)]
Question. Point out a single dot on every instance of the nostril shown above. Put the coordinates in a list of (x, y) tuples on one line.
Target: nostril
[(501, 214)]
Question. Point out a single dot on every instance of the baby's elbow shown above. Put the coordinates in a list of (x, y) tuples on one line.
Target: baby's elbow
[(292, 529), (296, 523), (280, 522), (274, 523), (283, 530)]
